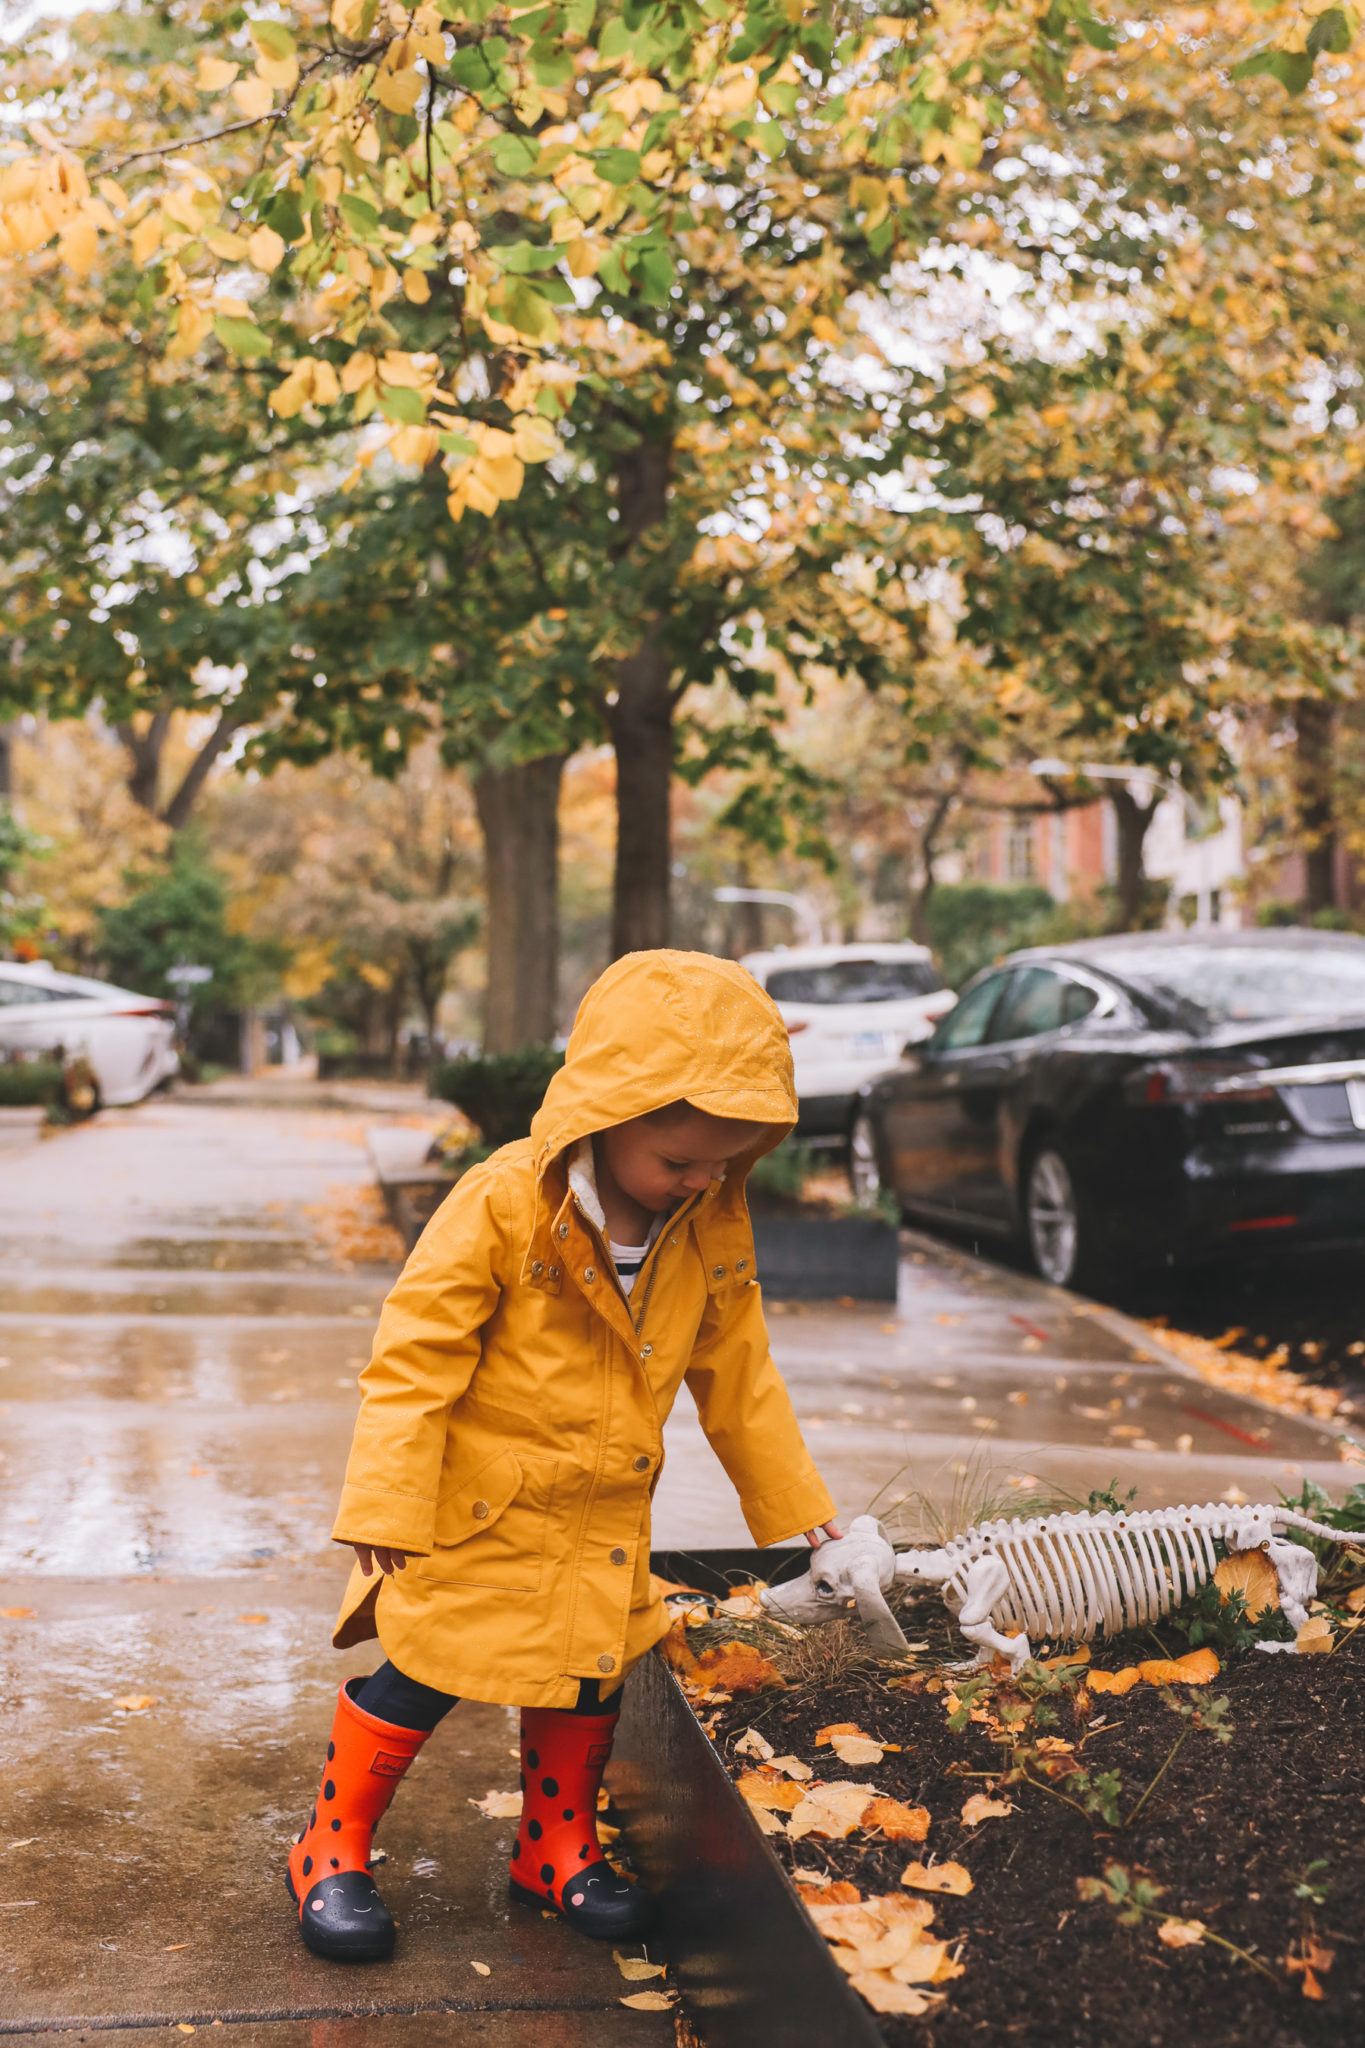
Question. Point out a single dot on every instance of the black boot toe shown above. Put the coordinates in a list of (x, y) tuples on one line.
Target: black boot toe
[(601, 1903), (345, 1919)]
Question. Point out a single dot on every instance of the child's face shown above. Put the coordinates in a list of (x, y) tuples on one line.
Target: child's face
[(659, 1163)]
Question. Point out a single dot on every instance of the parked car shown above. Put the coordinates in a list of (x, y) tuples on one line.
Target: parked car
[(849, 1009), (128, 1039), (1138, 1099)]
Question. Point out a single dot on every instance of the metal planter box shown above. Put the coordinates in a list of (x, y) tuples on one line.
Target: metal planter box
[(750, 1964), (811, 1258)]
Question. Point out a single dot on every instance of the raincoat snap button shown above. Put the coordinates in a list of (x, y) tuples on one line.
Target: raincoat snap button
[(642, 1463), (479, 1510), (740, 1265), (563, 1232), (537, 1268), (646, 1351), (718, 1272), (554, 1272), (618, 1556), (606, 1663), (590, 1274)]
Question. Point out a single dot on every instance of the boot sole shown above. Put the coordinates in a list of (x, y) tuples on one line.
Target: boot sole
[(631, 1931)]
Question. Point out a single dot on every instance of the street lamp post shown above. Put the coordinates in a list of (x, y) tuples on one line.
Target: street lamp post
[(797, 905), (1106, 771)]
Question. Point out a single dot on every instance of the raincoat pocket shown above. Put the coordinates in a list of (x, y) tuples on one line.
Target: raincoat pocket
[(491, 1530)]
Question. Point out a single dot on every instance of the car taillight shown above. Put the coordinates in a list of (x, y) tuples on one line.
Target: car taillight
[(1229, 1081), (147, 1010)]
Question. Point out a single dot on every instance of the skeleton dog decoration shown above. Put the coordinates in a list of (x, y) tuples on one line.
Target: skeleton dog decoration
[(1065, 1577)]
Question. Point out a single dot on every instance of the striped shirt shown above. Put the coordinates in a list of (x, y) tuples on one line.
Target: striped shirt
[(628, 1258)]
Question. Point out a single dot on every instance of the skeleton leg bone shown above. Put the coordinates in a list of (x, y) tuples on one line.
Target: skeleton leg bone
[(1297, 1572), (986, 1580)]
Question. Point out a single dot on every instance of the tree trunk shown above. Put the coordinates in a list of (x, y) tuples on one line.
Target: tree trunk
[(182, 803), (144, 751), (1315, 731), (641, 722), (519, 814), (1132, 819), (928, 854)]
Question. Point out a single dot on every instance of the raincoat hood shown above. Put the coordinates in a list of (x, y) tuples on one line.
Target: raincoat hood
[(662, 1027)]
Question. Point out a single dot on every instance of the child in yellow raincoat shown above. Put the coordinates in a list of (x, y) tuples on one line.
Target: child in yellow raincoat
[(510, 1434)]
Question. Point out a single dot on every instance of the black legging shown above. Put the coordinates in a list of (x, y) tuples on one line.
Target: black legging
[(390, 1695)]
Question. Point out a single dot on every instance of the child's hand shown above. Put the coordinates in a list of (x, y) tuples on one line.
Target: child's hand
[(815, 1537), (389, 1561)]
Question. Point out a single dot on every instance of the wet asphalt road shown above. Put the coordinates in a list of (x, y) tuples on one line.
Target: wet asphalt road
[(177, 1367)]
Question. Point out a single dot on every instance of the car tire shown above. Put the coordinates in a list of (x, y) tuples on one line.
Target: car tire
[(864, 1169), (1059, 1234)]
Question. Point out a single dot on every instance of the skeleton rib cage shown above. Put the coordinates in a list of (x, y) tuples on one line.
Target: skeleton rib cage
[(1081, 1574)]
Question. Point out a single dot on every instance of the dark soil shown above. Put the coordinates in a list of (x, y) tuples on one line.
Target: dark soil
[(1229, 1833)]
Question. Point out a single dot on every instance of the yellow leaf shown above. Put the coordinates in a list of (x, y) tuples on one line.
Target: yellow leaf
[(857, 1750), (414, 446), (979, 1807), (761, 1791), (281, 71), (348, 19), (114, 194), (584, 256), (326, 388), (884, 1994), (252, 1619), (1314, 1639), (265, 248), (253, 98), (416, 288), (648, 2001), (215, 74), (399, 91), (897, 1822), (136, 1702), (358, 372), (534, 437), (1250, 1573), (833, 1811), (950, 1878), (499, 1805), (1180, 1933), (145, 239), (18, 1613), (792, 1765), (482, 1968), (733, 1667), (290, 397), (869, 197), (79, 246), (751, 1743), (635, 1969)]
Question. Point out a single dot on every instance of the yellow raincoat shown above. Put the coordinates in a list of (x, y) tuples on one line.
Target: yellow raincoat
[(511, 1428)]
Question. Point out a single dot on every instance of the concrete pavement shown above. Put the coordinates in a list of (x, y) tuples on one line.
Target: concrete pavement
[(177, 1386)]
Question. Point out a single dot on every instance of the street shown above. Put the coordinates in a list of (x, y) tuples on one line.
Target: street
[(178, 1354)]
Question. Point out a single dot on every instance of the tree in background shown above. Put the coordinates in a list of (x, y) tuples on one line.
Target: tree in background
[(179, 915)]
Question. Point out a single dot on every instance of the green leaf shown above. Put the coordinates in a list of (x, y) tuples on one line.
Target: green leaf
[(274, 38), (612, 272), (770, 136), (551, 66), (1331, 32), (1293, 68), (359, 216), (403, 406), (514, 155), (456, 444), (282, 213), (578, 16), (522, 257), (652, 271), (616, 40), (1098, 34), (243, 337), (526, 310), (475, 11), (619, 166)]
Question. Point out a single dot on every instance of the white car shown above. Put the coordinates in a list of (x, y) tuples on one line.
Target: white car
[(850, 1011), (128, 1039)]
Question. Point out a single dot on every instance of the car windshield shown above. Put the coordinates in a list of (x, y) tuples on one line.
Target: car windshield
[(855, 981), (28, 992), (1244, 984)]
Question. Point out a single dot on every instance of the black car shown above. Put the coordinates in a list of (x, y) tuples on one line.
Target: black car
[(1144, 1098)]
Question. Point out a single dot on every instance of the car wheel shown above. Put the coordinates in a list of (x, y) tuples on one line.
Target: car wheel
[(864, 1173), (1052, 1218)]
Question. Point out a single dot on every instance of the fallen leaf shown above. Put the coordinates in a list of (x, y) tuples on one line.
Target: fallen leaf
[(1054, 1745), (884, 1994), (761, 1791), (736, 1667), (857, 1750), (833, 1811), (1180, 1933), (1196, 1667), (482, 1968), (898, 1823), (1250, 1573), (767, 1821), (18, 1613), (979, 1807), (949, 1878), (825, 1736), (677, 1650), (647, 2001), (949, 1968), (1080, 1655), (174, 1948), (252, 1617), (1314, 1639), (24, 1842), (743, 1604), (137, 1702), (184, 2027), (499, 1805), (1355, 1599), (751, 1743), (1114, 1681), (793, 1767), (636, 1968)]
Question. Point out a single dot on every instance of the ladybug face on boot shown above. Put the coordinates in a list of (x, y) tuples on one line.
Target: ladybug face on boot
[(557, 1859)]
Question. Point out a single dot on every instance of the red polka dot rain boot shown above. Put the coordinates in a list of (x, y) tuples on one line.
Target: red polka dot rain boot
[(558, 1860), (341, 1914)]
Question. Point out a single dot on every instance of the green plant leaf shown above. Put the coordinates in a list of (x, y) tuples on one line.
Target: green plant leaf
[(243, 337), (403, 406), (619, 166), (515, 155), (274, 38)]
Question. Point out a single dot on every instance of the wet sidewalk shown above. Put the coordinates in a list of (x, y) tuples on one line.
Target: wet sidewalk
[(177, 1386), (178, 1359)]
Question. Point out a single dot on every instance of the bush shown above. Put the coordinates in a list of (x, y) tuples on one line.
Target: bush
[(30, 1084), (499, 1092), (973, 923)]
